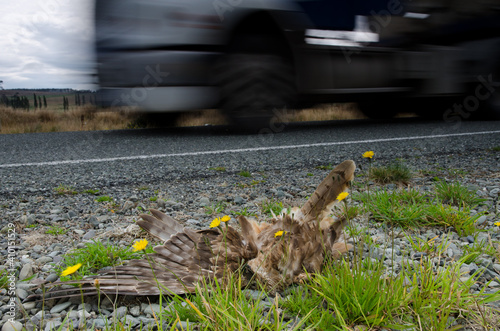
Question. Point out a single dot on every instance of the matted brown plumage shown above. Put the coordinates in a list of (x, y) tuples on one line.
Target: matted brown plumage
[(308, 236)]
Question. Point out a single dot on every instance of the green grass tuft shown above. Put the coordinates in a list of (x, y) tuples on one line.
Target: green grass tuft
[(396, 172), (245, 173), (92, 191), (4, 279), (104, 198), (63, 190), (327, 167), (96, 255), (56, 230), (225, 305), (456, 194), (405, 208), (270, 207), (216, 208), (244, 212)]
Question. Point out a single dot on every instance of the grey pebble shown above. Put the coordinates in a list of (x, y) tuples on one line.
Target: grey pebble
[(22, 294), (53, 325), (60, 307), (135, 311), (26, 271), (120, 312), (89, 235), (480, 221), (204, 201), (12, 326), (127, 205), (150, 308)]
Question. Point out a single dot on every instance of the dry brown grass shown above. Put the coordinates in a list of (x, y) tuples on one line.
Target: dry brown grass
[(54, 120), (85, 118), (200, 118), (326, 112)]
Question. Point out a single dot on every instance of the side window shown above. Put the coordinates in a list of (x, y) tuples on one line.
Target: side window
[(339, 14)]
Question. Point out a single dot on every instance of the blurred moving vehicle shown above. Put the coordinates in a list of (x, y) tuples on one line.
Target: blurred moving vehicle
[(252, 58)]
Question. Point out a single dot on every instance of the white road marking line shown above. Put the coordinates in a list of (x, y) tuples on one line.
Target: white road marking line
[(241, 150)]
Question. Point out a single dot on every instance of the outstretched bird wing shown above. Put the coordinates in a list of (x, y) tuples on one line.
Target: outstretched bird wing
[(321, 201), (177, 266)]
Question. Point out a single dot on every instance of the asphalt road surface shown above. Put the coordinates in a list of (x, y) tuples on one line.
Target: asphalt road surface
[(35, 163)]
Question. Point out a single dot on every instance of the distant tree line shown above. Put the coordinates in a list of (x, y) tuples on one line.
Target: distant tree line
[(65, 103), (15, 101)]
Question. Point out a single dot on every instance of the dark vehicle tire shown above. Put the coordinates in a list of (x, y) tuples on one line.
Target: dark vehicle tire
[(490, 108), (255, 82), (380, 108), (162, 120)]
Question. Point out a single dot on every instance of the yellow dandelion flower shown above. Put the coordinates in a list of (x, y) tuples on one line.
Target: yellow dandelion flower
[(71, 270), (278, 234), (342, 196), (215, 223), (497, 223), (140, 245), (225, 218), (368, 154), (96, 282)]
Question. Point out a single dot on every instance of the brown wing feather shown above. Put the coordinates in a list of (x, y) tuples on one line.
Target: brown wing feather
[(320, 201), (160, 225)]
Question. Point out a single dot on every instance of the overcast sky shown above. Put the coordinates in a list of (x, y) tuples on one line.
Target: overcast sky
[(46, 44)]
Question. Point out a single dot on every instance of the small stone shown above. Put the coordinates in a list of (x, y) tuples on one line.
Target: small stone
[(480, 221), (470, 239), (419, 255), (53, 254), (255, 295), (494, 193), (193, 222), (182, 325), (60, 307), (120, 312), (493, 284), (44, 259), (79, 232), (99, 323), (26, 271), (29, 305), (496, 267), (12, 326), (127, 205), (131, 321), (449, 251), (52, 325), (22, 294), (161, 203), (135, 311), (150, 308), (239, 200), (204, 201), (84, 307), (134, 198), (52, 278), (89, 235), (37, 249)]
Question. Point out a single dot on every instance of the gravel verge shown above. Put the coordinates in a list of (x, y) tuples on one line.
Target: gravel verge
[(188, 199)]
